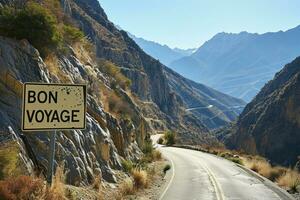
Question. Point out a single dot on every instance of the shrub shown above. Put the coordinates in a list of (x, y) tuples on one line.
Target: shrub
[(72, 34), (57, 189), (34, 23), (236, 160), (289, 180), (118, 106), (140, 178), (166, 168), (22, 187), (114, 71), (127, 187), (9, 160), (97, 183), (127, 165), (160, 140), (148, 147), (170, 138), (156, 155)]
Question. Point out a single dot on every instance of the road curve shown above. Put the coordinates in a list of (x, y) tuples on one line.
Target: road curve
[(200, 176)]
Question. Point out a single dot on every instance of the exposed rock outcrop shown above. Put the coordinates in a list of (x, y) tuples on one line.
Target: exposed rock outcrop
[(270, 124), (84, 153)]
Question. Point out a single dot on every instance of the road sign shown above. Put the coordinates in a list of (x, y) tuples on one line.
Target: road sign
[(53, 107)]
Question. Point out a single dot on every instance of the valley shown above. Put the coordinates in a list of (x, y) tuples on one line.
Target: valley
[(217, 122)]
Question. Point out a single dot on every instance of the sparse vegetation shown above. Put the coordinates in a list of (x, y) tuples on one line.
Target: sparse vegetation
[(229, 156), (289, 180), (114, 71), (166, 168), (34, 23), (160, 140), (156, 155), (118, 106), (57, 189), (127, 165), (126, 188), (170, 138), (148, 147), (21, 187), (9, 161), (42, 26), (140, 178)]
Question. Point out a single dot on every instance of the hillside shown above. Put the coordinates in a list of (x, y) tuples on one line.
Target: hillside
[(148, 76), (130, 94), (240, 64), (163, 53), (270, 124)]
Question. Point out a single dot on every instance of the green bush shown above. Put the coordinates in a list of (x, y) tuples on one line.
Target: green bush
[(33, 23), (72, 34), (166, 168), (160, 140), (148, 147), (170, 138), (9, 160), (127, 165)]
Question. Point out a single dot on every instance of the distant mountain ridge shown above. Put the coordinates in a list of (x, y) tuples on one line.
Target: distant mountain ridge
[(163, 53), (240, 64)]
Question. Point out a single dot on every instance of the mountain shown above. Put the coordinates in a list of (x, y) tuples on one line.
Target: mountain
[(163, 53), (240, 64), (148, 76), (130, 94), (270, 123)]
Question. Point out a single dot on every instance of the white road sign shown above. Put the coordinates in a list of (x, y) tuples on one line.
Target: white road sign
[(53, 107)]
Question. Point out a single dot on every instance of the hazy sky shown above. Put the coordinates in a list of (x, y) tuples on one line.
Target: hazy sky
[(189, 23)]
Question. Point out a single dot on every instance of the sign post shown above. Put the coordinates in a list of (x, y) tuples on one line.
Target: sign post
[(52, 107), (51, 158)]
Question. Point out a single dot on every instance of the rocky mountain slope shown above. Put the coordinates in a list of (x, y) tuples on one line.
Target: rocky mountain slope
[(270, 123), (121, 116), (163, 53), (85, 153), (240, 64), (148, 76)]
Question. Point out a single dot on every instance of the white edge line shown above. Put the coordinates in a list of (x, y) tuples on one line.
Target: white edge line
[(171, 180)]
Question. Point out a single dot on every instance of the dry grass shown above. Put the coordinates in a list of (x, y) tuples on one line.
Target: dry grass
[(21, 187), (156, 155), (289, 180), (57, 190), (140, 178), (97, 184), (114, 71), (264, 168), (127, 187), (52, 64)]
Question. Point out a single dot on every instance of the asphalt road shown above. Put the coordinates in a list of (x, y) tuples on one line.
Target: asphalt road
[(200, 176)]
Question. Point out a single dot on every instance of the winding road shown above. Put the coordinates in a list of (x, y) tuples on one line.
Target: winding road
[(196, 175)]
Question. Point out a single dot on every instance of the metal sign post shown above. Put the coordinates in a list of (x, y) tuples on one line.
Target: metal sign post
[(51, 158), (48, 107)]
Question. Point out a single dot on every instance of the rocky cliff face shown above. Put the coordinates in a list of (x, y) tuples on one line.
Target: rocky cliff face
[(270, 124), (87, 153)]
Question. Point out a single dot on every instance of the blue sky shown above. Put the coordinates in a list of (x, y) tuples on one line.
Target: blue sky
[(189, 23)]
